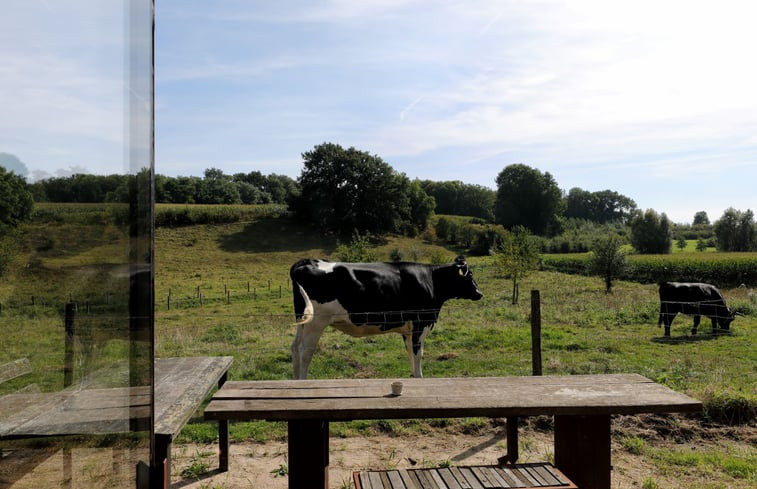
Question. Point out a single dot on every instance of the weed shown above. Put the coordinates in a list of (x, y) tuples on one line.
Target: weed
[(280, 471), (650, 484), (633, 445), (195, 470)]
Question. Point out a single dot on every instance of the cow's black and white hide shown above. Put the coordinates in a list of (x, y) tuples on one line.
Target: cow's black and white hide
[(695, 299), (363, 299)]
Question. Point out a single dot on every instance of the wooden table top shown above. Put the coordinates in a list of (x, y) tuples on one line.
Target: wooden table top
[(181, 384), (345, 399)]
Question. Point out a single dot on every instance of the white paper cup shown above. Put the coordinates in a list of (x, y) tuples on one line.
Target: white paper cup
[(396, 388)]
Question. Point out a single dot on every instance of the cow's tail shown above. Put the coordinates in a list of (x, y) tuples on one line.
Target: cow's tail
[(303, 306)]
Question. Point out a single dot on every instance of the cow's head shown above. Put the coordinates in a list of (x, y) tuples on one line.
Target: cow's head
[(725, 322), (464, 286)]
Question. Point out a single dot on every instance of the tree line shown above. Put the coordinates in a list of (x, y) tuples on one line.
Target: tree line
[(345, 190)]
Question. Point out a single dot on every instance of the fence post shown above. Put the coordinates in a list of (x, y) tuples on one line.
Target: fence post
[(279, 291), (168, 302), (536, 332), (69, 325)]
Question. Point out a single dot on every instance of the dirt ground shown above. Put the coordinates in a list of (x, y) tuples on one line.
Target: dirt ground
[(263, 465), (255, 465)]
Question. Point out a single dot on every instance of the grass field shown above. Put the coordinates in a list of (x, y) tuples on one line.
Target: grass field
[(584, 331), (230, 295)]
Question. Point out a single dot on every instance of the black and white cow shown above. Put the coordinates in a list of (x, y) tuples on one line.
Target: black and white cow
[(363, 299), (695, 299)]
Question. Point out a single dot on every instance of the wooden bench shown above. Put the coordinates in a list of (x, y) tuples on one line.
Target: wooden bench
[(527, 476), (181, 386)]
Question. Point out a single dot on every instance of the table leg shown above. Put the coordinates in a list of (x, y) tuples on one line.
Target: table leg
[(582, 449), (163, 456), (223, 445), (308, 454)]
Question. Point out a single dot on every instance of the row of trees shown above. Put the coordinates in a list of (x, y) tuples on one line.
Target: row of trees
[(345, 190), (214, 187)]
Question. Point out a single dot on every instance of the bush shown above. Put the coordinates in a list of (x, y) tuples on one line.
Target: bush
[(729, 408), (171, 215), (358, 251)]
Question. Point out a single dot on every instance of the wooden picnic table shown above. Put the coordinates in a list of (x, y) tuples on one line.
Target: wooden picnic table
[(581, 405), (181, 385)]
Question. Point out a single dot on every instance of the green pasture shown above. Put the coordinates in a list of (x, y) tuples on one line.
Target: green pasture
[(223, 289)]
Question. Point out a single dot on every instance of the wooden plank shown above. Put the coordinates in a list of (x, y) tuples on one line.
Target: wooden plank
[(492, 398), (507, 474), (471, 478), (365, 480), (181, 385), (16, 368), (449, 478), (410, 482), (535, 475), (523, 474), (395, 479), (493, 476), (482, 477), (438, 479), (557, 475), (464, 484), (385, 482), (416, 480), (546, 475), (375, 480), (427, 482)]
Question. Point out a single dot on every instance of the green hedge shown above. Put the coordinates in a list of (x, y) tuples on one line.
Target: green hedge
[(721, 269), (191, 214)]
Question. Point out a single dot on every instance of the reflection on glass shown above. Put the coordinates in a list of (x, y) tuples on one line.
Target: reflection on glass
[(75, 243)]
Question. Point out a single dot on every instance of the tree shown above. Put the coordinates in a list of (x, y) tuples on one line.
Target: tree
[(735, 231), (218, 188), (461, 199), (607, 259), (701, 219), (529, 198), (15, 200), (701, 244), (651, 233), (516, 255), (602, 207), (346, 189), (681, 242)]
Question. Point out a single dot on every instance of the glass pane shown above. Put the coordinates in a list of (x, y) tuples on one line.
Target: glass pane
[(76, 266)]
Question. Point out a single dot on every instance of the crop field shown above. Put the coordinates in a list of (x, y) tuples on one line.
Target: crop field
[(223, 289)]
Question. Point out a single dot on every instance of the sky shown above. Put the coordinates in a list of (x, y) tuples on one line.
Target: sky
[(654, 100)]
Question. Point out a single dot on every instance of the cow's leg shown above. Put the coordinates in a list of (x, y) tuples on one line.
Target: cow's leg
[(697, 318), (667, 319), (311, 333), (414, 346), (296, 349)]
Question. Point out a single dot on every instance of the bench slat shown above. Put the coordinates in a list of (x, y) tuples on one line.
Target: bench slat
[(449, 478), (396, 480)]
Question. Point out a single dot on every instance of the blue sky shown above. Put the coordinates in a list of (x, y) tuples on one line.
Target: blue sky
[(655, 100)]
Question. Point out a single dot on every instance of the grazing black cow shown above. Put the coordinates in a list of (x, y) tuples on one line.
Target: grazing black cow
[(363, 299), (695, 299)]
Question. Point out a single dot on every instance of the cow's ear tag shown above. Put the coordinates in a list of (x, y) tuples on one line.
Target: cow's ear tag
[(460, 270)]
